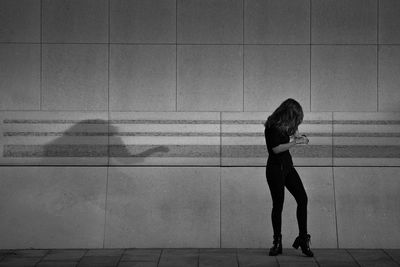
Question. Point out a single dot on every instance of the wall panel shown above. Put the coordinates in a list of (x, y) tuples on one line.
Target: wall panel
[(389, 22), (165, 138), (389, 79), (53, 138), (75, 21), (344, 21), (75, 77), (277, 22), (20, 76), (210, 22), (366, 139), (367, 204), (210, 78), (20, 21), (343, 78), (137, 21), (274, 73), (143, 78), (52, 207), (163, 207)]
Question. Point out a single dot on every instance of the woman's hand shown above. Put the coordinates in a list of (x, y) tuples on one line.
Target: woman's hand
[(301, 139)]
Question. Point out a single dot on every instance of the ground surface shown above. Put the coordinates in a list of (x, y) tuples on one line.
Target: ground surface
[(196, 258)]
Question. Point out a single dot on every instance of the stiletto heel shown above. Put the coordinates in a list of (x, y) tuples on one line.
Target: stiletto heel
[(296, 243)]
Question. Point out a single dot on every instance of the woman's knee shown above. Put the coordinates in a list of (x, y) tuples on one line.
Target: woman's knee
[(302, 200)]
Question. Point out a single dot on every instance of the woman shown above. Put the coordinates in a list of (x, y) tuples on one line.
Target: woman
[(281, 134)]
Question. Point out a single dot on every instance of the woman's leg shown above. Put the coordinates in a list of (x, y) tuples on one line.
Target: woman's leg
[(276, 185), (295, 186)]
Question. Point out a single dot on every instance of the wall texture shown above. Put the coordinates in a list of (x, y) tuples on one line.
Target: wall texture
[(130, 123)]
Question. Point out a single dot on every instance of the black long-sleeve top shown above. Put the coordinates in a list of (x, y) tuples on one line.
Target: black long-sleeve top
[(273, 138)]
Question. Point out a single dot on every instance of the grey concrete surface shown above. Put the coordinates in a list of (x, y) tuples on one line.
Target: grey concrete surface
[(20, 21), (274, 73), (343, 78), (20, 76), (210, 78), (388, 78), (277, 22), (75, 77), (150, 21), (169, 207), (210, 21), (367, 206), (344, 22), (76, 21), (389, 22), (142, 78), (52, 207), (196, 257)]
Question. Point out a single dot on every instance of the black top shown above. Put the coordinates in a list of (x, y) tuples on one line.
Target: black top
[(273, 138)]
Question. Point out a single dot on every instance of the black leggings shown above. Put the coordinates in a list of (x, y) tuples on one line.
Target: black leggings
[(277, 178)]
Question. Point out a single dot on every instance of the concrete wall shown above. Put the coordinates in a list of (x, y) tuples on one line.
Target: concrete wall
[(128, 123)]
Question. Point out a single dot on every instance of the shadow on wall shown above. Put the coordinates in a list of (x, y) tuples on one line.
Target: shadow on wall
[(96, 139)]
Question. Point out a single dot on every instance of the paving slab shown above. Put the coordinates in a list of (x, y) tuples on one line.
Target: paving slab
[(29, 253), (334, 257), (99, 261), (255, 258), (372, 257), (105, 252), (141, 255), (13, 261), (191, 251), (142, 251), (292, 255), (137, 264), (65, 255), (298, 264), (212, 258), (394, 254), (56, 264), (177, 261)]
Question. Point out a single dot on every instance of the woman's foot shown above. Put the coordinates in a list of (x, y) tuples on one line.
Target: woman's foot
[(277, 248), (304, 242)]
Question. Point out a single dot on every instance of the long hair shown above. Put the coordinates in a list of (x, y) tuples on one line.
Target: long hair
[(287, 117)]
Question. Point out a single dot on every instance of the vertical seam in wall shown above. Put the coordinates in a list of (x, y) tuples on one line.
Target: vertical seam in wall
[(310, 50), (220, 179), (176, 55), (105, 208), (333, 185), (108, 55), (108, 122), (332, 136), (41, 56), (220, 207), (243, 49), (334, 201), (377, 56), (220, 139)]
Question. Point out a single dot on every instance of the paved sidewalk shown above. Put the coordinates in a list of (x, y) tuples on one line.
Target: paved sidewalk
[(196, 258)]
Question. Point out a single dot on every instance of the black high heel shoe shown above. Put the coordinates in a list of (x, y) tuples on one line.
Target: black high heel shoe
[(304, 243), (277, 248)]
